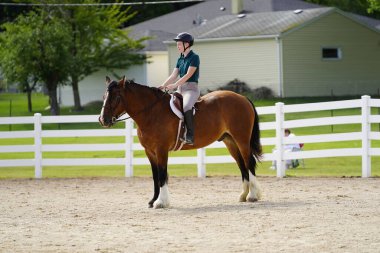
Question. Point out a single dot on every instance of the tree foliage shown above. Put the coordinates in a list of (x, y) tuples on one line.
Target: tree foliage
[(374, 6), (360, 7), (35, 46), (97, 41), (60, 45)]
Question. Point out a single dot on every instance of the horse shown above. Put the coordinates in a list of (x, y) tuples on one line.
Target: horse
[(220, 116)]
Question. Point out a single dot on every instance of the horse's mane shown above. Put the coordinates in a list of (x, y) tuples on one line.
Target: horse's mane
[(155, 90)]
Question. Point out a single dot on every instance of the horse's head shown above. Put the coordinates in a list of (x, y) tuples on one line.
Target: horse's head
[(113, 102)]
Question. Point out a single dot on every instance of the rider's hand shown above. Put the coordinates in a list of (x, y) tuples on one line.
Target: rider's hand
[(171, 86)]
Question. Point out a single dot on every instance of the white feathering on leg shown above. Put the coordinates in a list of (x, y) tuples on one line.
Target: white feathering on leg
[(244, 193), (254, 189), (163, 198)]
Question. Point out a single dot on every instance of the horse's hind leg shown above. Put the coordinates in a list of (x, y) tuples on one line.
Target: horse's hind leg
[(235, 153), (245, 151), (254, 188), (250, 163)]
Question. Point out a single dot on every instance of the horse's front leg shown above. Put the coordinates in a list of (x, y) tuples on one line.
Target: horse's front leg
[(156, 186), (152, 159), (163, 197)]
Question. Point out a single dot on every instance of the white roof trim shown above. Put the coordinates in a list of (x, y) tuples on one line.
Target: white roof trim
[(273, 36)]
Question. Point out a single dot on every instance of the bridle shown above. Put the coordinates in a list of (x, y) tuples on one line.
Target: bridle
[(116, 119), (119, 98)]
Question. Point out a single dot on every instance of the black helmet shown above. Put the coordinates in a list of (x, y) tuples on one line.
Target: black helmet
[(185, 37)]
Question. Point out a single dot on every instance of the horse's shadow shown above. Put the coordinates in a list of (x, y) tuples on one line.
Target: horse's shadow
[(261, 205)]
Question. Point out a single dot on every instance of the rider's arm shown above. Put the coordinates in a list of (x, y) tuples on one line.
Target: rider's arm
[(173, 76)]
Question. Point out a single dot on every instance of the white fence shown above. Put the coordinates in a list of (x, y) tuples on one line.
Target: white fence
[(366, 135)]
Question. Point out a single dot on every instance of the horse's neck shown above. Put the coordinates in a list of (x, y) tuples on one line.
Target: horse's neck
[(140, 102)]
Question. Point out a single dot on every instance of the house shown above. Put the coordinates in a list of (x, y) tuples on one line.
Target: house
[(164, 28), (311, 52), (271, 45)]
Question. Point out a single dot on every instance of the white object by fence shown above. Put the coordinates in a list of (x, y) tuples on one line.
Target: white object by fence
[(280, 156)]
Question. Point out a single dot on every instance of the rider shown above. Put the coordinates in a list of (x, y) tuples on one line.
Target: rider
[(188, 70)]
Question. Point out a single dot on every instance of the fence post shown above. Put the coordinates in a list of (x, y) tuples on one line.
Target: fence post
[(129, 148), (366, 143), (201, 153), (279, 154), (37, 146)]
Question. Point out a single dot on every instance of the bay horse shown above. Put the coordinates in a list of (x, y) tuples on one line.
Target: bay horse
[(221, 115)]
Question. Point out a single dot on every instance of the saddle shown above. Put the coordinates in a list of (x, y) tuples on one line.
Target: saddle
[(176, 105)]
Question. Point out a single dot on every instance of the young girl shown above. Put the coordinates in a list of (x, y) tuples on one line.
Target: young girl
[(187, 68)]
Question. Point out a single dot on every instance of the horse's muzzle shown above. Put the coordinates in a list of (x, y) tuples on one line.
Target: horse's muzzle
[(104, 122)]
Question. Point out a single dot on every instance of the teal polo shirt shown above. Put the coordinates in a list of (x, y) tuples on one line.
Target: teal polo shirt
[(184, 63)]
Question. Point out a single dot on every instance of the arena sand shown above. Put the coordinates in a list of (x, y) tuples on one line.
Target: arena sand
[(112, 215)]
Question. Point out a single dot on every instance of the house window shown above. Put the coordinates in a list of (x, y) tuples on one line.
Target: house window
[(331, 53)]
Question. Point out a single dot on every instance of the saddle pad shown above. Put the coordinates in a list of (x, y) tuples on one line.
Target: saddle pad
[(175, 110)]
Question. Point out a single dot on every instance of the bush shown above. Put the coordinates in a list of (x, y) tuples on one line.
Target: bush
[(242, 88), (262, 93), (236, 86)]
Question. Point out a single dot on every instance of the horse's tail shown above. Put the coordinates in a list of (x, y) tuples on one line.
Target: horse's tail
[(256, 147)]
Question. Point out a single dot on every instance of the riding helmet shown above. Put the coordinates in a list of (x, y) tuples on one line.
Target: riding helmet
[(185, 37)]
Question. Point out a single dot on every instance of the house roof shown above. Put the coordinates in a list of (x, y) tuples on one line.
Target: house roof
[(201, 13), (155, 43), (366, 20), (256, 24), (207, 20)]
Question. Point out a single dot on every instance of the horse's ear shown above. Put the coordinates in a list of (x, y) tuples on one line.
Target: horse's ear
[(108, 80), (124, 82)]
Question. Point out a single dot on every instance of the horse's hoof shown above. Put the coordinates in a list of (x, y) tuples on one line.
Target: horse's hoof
[(242, 198), (159, 204), (151, 202), (251, 199)]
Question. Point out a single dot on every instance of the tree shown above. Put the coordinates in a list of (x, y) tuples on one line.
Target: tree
[(12, 60), (76, 40), (374, 6), (97, 41), (35, 47), (355, 6)]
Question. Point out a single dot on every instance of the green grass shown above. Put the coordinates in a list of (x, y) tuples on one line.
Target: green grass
[(327, 167), (331, 167)]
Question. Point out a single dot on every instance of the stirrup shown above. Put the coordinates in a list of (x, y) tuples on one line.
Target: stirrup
[(187, 141)]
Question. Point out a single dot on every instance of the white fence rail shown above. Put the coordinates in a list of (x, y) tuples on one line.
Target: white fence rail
[(280, 156)]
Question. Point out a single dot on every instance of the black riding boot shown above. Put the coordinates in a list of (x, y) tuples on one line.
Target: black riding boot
[(189, 122)]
